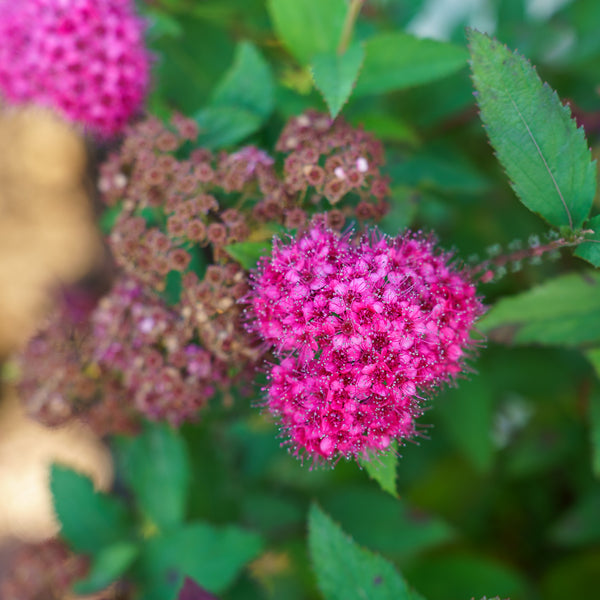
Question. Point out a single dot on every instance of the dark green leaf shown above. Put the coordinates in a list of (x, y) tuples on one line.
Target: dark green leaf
[(225, 125), (563, 311), (543, 152), (403, 208), (345, 571), (335, 75), (382, 469), (309, 27), (108, 565), (156, 467), (248, 84), (397, 61), (594, 413), (466, 576), (188, 66), (580, 525), (211, 556), (590, 251), (467, 415), (248, 253), (420, 531), (387, 127), (89, 520)]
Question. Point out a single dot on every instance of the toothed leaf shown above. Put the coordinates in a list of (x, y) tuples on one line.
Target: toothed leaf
[(539, 145), (335, 76)]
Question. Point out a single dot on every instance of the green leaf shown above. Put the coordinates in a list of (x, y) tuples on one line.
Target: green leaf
[(420, 530), (590, 251), (308, 27), (248, 253), (225, 125), (335, 75), (594, 413), (387, 127), (211, 556), (580, 524), (188, 66), (403, 209), (156, 467), (543, 152), (109, 217), (563, 311), (459, 575), (396, 61), (344, 570), (382, 468), (108, 565), (467, 415), (248, 84), (89, 520)]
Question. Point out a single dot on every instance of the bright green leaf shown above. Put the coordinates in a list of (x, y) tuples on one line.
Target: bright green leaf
[(382, 468), (225, 125), (308, 27), (396, 61), (211, 556), (248, 253), (543, 152), (248, 84), (563, 311), (156, 467), (335, 75), (590, 251), (89, 520), (108, 565), (344, 570)]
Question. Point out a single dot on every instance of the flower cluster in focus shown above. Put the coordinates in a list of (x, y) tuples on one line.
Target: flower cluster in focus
[(83, 58), (362, 330)]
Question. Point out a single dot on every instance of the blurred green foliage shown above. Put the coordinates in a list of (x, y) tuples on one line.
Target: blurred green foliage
[(500, 496)]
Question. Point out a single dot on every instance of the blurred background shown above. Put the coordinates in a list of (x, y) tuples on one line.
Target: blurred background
[(501, 488)]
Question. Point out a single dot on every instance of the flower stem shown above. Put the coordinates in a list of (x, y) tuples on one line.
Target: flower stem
[(351, 16)]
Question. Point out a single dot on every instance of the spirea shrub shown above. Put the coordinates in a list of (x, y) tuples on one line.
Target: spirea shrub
[(364, 330), (86, 59)]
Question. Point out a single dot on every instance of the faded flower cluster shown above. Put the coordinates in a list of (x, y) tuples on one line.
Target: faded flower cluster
[(362, 330), (83, 58)]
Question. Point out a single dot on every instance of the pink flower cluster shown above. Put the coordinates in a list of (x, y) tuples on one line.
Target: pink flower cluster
[(362, 330), (84, 58)]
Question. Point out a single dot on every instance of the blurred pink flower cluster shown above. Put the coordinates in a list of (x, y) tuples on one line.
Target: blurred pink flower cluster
[(85, 59), (362, 330)]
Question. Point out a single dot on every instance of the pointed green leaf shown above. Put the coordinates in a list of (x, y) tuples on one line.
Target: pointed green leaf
[(590, 251), (211, 556), (225, 125), (156, 466), (345, 571), (563, 311), (248, 84), (248, 253), (540, 147), (335, 76), (89, 520), (382, 468), (108, 565), (308, 27), (396, 61)]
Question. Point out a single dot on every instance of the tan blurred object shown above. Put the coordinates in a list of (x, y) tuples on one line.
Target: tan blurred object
[(47, 233), (26, 452)]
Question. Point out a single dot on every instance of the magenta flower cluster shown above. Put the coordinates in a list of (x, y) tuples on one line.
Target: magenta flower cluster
[(362, 330), (85, 59)]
